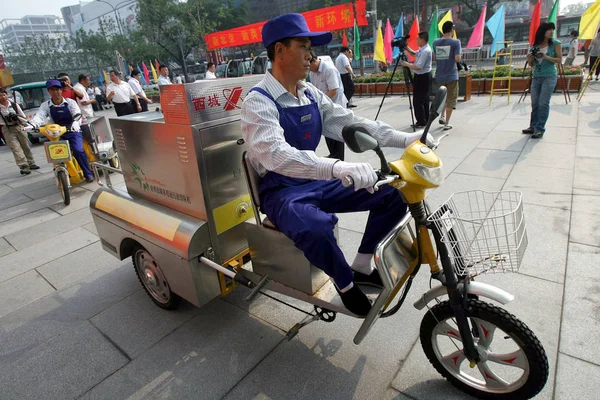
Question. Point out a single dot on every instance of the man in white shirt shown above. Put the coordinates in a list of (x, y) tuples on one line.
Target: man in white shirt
[(85, 103), (163, 78), (121, 94), (573, 48), (11, 126), (283, 119), (210, 71), (135, 83), (342, 63), (327, 79), (422, 79)]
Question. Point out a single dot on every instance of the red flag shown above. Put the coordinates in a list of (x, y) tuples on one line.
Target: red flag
[(157, 65), (535, 22), (412, 42), (344, 39)]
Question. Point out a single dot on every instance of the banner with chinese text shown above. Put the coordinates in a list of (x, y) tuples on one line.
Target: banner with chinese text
[(323, 19)]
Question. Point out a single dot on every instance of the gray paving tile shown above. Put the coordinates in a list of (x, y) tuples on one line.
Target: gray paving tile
[(393, 394), (560, 135), (563, 117), (70, 365), (80, 198), (490, 163), (418, 379), (27, 221), (507, 141), (205, 357), (22, 290), (29, 181), (43, 192), (548, 238), (136, 323), (41, 320), (13, 201), (588, 146), (91, 227), (46, 251), (576, 379), (587, 127), (66, 270), (581, 314), (587, 171), (457, 147), (356, 221), (48, 229), (585, 220), (28, 206), (5, 248), (539, 153), (542, 186)]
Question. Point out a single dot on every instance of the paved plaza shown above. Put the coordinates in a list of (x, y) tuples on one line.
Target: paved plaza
[(75, 322)]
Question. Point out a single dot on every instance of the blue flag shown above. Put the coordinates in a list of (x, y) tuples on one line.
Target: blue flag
[(399, 33), (126, 70), (101, 80), (142, 75), (496, 27)]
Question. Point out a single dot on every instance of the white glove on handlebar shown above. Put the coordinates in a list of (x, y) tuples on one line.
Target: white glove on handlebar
[(362, 174), (28, 128), (413, 137)]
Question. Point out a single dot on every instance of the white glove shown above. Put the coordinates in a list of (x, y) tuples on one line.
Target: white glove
[(413, 137), (362, 174), (75, 126), (28, 128)]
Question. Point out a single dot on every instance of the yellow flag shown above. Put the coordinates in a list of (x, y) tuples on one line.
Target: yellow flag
[(447, 17), (588, 26), (106, 80), (379, 52), (154, 75)]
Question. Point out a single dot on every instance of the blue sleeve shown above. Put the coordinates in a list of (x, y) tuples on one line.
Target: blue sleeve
[(457, 48)]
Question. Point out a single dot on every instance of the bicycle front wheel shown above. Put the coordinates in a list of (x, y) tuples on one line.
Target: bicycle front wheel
[(513, 363)]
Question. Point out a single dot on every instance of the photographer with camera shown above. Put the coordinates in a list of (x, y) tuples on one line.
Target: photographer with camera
[(422, 78), (543, 57), (447, 55), (69, 92), (11, 125)]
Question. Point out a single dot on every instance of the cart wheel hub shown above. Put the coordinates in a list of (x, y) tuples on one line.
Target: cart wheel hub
[(150, 278)]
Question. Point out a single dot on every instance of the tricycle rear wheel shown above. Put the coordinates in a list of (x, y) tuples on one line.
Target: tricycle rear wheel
[(153, 280), (517, 355)]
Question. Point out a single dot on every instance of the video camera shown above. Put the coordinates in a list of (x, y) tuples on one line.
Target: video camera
[(401, 42), (535, 51)]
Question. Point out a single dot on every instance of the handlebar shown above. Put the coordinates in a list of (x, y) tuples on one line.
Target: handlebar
[(347, 181)]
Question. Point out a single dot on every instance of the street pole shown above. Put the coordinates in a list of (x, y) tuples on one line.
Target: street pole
[(374, 15), (116, 15)]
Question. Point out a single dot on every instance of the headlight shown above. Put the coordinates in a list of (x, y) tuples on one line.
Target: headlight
[(433, 175)]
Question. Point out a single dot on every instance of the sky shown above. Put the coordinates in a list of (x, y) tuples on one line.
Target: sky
[(20, 8)]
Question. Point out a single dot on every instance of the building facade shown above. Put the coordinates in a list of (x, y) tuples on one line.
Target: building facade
[(14, 31), (88, 16)]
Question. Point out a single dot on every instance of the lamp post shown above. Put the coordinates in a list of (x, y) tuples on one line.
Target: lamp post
[(116, 15)]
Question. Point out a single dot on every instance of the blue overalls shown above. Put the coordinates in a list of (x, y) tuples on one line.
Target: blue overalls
[(304, 210), (62, 116)]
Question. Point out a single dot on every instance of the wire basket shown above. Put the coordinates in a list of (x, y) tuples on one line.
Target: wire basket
[(483, 231)]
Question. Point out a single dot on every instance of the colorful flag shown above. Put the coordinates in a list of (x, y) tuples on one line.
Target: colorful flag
[(344, 39), (126, 69), (590, 19), (357, 41), (106, 79), (399, 33), (145, 72), (412, 42), (496, 27), (476, 39), (434, 32), (552, 16), (387, 41), (535, 22), (447, 17), (143, 78), (156, 63), (101, 79), (154, 74), (379, 47)]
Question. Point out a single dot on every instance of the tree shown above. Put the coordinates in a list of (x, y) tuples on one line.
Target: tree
[(575, 9)]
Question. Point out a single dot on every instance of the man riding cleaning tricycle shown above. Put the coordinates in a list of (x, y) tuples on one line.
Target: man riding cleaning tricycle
[(173, 233)]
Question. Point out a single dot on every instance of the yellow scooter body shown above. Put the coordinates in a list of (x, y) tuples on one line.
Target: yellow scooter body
[(60, 153)]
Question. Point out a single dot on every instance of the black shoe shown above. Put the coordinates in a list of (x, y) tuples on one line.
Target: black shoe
[(25, 171), (355, 301), (89, 179), (527, 131), (352, 106), (372, 280), (537, 135), (34, 167)]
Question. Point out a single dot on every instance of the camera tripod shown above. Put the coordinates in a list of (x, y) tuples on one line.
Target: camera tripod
[(408, 80)]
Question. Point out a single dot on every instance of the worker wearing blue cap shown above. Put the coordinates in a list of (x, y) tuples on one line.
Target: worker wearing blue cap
[(61, 111), (283, 119)]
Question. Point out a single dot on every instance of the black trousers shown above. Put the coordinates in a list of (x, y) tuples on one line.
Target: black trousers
[(99, 101), (143, 103), (422, 84), (348, 86), (592, 62), (336, 149), (123, 108)]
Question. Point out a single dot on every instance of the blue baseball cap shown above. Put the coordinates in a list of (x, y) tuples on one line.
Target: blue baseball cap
[(53, 83), (291, 26)]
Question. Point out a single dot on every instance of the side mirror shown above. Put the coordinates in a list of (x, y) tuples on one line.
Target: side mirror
[(440, 101), (359, 140)]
